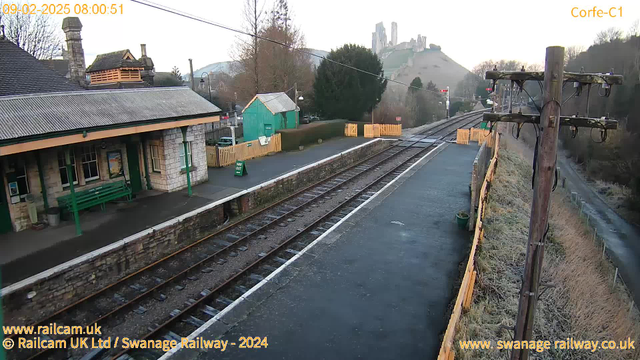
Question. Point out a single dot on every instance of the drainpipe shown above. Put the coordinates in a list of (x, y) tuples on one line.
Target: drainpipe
[(74, 203), (42, 185), (186, 158)]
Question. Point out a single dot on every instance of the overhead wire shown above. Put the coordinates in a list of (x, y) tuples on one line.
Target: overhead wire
[(209, 22)]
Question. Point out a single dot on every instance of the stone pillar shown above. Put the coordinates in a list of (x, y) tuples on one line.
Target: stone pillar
[(77, 69)]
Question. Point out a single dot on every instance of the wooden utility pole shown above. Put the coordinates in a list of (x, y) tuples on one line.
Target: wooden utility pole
[(543, 184), (549, 121), (193, 85)]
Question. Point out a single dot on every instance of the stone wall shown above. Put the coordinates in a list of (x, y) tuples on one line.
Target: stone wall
[(287, 186), (175, 172), (88, 275)]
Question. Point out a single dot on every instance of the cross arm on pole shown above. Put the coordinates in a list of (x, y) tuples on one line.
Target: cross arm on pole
[(521, 118), (583, 78)]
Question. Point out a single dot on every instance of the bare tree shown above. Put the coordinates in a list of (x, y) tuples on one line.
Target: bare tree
[(272, 65), (634, 29), (571, 53), (37, 34), (610, 35), (246, 51)]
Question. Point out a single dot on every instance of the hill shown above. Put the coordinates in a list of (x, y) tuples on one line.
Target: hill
[(228, 68), (430, 65)]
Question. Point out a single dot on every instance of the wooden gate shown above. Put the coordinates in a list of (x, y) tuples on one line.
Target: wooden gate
[(372, 130), (351, 130)]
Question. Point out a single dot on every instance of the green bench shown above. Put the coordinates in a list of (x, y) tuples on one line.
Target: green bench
[(98, 195)]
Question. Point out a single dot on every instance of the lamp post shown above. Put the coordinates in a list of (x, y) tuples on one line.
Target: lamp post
[(297, 96), (208, 83)]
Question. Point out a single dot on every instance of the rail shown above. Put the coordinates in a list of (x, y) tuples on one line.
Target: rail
[(465, 294)]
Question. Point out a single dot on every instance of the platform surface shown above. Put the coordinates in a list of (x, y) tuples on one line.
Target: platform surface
[(377, 287), (30, 252)]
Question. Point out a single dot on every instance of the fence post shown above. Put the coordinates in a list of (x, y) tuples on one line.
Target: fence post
[(615, 277), (604, 248), (631, 306)]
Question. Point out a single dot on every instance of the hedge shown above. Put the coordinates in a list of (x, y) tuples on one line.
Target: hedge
[(309, 134)]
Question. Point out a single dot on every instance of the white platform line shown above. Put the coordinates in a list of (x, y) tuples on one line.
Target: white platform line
[(244, 296), (120, 243)]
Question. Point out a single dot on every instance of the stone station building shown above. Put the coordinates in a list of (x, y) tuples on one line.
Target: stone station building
[(53, 130)]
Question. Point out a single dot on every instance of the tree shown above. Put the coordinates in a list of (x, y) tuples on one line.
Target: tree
[(634, 29), (610, 35), (36, 34), (347, 93), (571, 53), (431, 86), (281, 63), (246, 52), (175, 72), (416, 84)]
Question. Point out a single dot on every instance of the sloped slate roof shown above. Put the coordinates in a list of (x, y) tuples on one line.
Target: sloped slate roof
[(276, 102), (113, 60), (21, 73), (58, 65), (38, 114)]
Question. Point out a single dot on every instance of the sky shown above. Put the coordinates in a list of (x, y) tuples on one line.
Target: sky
[(468, 31)]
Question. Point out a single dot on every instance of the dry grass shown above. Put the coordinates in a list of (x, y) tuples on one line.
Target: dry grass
[(617, 196), (578, 302)]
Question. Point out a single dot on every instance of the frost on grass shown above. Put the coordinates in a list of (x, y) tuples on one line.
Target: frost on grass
[(577, 298)]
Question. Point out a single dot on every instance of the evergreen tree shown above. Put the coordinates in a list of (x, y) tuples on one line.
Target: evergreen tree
[(341, 92)]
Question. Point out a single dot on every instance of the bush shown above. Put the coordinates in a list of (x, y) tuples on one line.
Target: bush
[(293, 138)]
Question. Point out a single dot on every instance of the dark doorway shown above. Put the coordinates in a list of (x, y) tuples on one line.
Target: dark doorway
[(133, 161)]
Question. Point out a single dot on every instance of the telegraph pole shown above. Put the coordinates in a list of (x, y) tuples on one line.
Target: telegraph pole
[(193, 86), (543, 184), (549, 121)]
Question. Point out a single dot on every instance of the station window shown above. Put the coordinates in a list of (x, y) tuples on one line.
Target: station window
[(63, 169), (182, 165), (155, 158), (21, 178), (90, 163), (18, 181)]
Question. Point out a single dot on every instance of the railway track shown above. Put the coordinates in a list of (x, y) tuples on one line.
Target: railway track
[(160, 281)]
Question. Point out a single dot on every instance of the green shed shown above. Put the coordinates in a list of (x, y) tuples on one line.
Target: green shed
[(267, 113)]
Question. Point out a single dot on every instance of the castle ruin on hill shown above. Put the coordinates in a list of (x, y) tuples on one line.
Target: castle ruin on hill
[(379, 41)]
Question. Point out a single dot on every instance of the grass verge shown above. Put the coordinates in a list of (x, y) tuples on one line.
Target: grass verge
[(577, 299)]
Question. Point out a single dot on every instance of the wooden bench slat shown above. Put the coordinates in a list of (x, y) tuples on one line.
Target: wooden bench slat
[(98, 195)]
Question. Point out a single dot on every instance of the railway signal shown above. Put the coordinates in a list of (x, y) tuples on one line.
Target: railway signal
[(550, 122)]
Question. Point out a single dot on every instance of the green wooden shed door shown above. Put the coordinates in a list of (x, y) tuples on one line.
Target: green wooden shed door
[(268, 130), (5, 217)]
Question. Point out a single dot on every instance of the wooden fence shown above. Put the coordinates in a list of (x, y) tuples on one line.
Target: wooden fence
[(351, 130), (479, 135), (462, 136), (223, 156), (465, 294), (390, 130), (372, 130)]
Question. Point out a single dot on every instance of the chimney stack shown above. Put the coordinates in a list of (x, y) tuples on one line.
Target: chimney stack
[(77, 69), (149, 70)]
